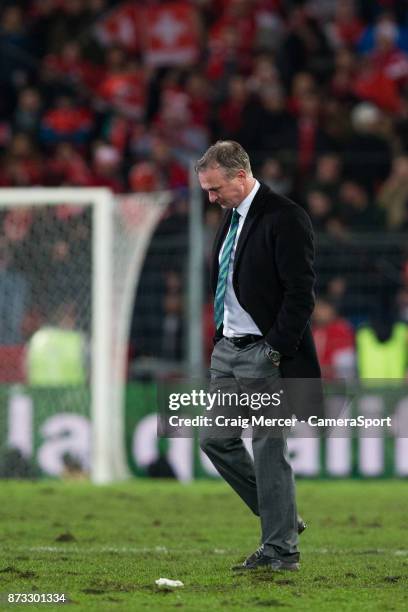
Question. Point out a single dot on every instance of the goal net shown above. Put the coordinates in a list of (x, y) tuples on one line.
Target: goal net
[(70, 261)]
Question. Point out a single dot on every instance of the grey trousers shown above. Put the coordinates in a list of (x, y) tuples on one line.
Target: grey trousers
[(266, 483)]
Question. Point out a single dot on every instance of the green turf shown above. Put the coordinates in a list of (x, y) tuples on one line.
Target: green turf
[(105, 546)]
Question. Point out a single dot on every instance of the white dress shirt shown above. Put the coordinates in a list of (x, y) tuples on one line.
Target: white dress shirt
[(237, 322)]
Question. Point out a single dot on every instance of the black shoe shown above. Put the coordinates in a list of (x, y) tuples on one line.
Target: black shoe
[(277, 565), (249, 561), (258, 560), (301, 526)]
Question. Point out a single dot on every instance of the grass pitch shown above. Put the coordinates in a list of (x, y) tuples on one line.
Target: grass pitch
[(105, 546)]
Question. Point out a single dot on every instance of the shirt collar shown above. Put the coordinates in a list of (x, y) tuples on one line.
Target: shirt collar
[(243, 208)]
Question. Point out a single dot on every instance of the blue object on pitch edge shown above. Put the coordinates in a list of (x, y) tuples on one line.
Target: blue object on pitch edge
[(223, 270)]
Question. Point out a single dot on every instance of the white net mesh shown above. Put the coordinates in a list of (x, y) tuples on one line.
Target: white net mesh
[(48, 304)]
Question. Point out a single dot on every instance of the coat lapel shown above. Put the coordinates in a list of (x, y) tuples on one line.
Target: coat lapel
[(218, 240), (254, 210)]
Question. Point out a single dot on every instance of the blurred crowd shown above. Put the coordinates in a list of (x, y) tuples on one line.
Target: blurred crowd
[(126, 94)]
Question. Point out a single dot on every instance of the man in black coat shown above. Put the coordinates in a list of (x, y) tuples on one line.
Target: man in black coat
[(263, 279)]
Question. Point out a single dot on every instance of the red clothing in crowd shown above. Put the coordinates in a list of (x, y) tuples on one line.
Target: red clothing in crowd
[(307, 129), (126, 91), (77, 69), (375, 86), (230, 115), (346, 32), (335, 347), (68, 120), (393, 63), (71, 169), (111, 182)]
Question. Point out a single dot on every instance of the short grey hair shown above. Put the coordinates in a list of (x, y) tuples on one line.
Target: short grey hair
[(226, 154)]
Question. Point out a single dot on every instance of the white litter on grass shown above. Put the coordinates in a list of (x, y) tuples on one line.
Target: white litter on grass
[(161, 549), (166, 583), (219, 551)]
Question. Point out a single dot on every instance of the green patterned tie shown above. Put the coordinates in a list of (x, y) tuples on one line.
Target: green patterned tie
[(223, 270)]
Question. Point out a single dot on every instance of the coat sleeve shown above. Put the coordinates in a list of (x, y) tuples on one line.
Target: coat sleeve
[(294, 256)]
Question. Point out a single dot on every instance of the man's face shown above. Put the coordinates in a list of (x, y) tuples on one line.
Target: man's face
[(223, 190)]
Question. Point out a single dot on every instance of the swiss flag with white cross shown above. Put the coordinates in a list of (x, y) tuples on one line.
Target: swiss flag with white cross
[(171, 34), (121, 26)]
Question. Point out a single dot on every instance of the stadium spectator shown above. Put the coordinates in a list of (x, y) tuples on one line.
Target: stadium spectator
[(336, 126), (309, 137), (175, 124), (327, 175), (106, 166), (315, 91), (393, 195), (305, 46), (227, 54), (273, 174), (44, 15), (56, 353), (16, 227), (356, 210), (267, 127), (28, 111), (386, 54), (198, 99), (65, 20), (14, 297), (303, 85), (320, 207), (264, 74), (375, 86), (346, 28), (23, 164), (334, 339), (15, 61), (382, 350), (173, 173), (230, 113), (342, 80), (69, 64), (145, 177), (385, 28), (123, 87), (367, 156), (66, 121), (68, 167)]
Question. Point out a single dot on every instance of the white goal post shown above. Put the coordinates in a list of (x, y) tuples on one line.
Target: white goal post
[(122, 227)]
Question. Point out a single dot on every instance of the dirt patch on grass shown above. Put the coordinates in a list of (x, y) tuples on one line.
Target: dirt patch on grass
[(267, 603), (10, 569), (392, 578), (65, 537)]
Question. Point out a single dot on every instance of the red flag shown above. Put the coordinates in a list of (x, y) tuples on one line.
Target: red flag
[(121, 27), (171, 34)]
